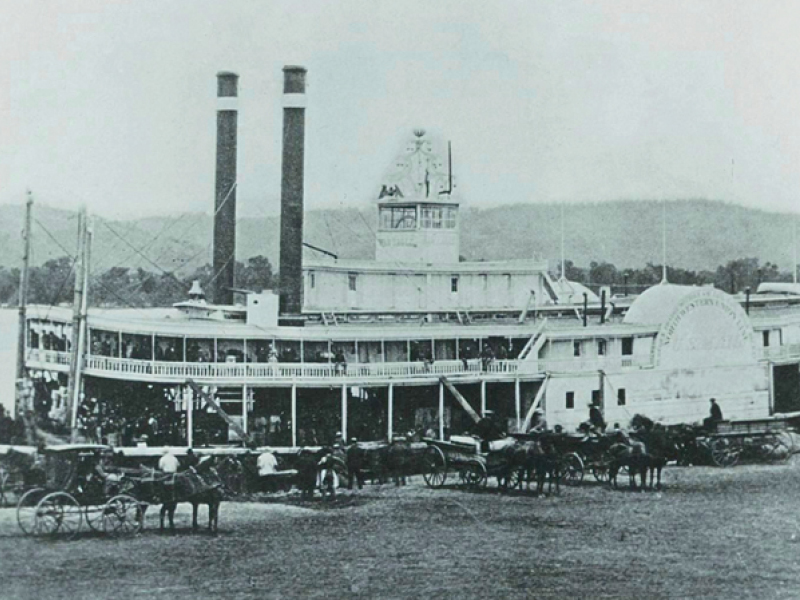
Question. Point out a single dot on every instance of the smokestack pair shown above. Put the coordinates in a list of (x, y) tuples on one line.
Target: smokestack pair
[(291, 243)]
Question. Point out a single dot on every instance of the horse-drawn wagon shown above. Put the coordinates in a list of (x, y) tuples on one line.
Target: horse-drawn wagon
[(759, 440), (82, 485), (74, 492), (462, 456)]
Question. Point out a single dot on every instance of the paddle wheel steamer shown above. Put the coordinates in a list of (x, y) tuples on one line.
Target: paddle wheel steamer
[(364, 349)]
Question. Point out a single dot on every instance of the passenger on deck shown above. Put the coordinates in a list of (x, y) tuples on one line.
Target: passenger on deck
[(714, 417)]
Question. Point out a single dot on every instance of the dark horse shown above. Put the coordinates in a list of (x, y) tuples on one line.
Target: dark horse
[(634, 457), (540, 458), (661, 447), (202, 485)]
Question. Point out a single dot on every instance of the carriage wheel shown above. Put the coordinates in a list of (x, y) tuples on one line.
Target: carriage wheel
[(573, 469), (434, 467), (93, 515), (776, 449), (123, 515), (58, 513), (26, 510), (473, 474), (724, 453)]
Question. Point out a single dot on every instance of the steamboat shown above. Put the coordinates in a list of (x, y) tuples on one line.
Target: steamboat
[(365, 349)]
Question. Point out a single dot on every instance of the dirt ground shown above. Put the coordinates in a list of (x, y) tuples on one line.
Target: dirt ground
[(710, 533)]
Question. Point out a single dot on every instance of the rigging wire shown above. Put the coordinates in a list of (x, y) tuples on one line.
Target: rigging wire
[(169, 274)]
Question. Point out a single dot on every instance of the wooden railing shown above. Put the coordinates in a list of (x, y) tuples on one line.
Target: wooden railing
[(124, 368), (781, 352)]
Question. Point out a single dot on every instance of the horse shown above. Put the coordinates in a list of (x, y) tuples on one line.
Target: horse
[(633, 456), (398, 460), (660, 446), (307, 469), (356, 460), (202, 485), (540, 457)]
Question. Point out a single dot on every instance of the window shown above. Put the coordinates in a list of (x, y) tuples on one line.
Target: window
[(454, 284), (596, 397), (576, 348), (765, 335), (432, 217), (570, 400), (621, 397), (450, 218), (627, 346), (398, 217), (312, 280), (351, 280), (601, 347)]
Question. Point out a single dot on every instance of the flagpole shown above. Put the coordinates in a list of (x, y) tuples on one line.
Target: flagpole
[(664, 241)]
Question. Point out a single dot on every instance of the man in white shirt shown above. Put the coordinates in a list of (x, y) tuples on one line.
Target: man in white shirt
[(267, 465), (168, 463)]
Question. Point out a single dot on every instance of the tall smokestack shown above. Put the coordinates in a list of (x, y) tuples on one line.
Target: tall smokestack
[(225, 199), (291, 260)]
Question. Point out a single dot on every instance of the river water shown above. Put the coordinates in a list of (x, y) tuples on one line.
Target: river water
[(8, 356)]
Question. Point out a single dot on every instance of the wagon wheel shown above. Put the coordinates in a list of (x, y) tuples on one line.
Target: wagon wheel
[(776, 449), (434, 467), (473, 474), (573, 468), (123, 515), (26, 510), (724, 453), (58, 513), (93, 515)]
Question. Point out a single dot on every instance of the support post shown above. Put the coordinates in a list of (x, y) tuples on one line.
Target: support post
[(24, 404), (189, 396), (344, 413), (517, 404), (483, 397), (441, 411), (245, 398), (390, 419), (294, 415)]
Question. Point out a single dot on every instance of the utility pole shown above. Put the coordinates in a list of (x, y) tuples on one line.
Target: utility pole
[(24, 404), (78, 318)]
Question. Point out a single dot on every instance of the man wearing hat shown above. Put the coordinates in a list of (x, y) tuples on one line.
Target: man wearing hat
[(538, 422), (596, 421)]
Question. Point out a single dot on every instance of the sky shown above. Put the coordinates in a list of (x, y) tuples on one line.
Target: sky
[(112, 104)]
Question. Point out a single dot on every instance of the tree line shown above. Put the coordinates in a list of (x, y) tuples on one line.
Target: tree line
[(53, 282)]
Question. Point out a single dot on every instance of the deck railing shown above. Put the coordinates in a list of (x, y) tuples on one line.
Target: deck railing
[(124, 368), (782, 352)]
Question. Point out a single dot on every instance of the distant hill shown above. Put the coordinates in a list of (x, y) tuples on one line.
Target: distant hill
[(702, 234)]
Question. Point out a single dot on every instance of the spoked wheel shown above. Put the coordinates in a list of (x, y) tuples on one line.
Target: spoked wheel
[(26, 510), (473, 474), (724, 452), (93, 515), (776, 449), (123, 515), (59, 514), (434, 467), (573, 469)]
